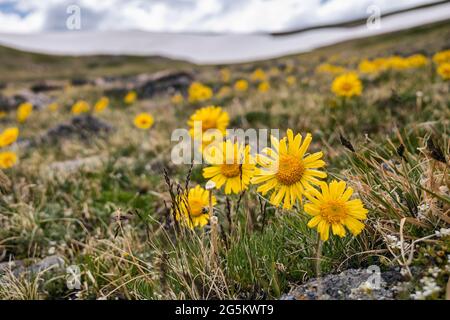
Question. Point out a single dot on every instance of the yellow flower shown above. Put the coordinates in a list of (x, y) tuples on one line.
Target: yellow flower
[(225, 74), (241, 85), (101, 104), (130, 97), (258, 75), (210, 117), (330, 69), (224, 91), (264, 86), (231, 166), (24, 111), (177, 98), (286, 170), (53, 107), (8, 136), (441, 57), (7, 159), (143, 121), (347, 85), (416, 61), (444, 71), (397, 63), (192, 210), (80, 107), (368, 67), (332, 207), (291, 81), (198, 92)]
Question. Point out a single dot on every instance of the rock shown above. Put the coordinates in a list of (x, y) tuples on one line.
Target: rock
[(10, 103), (45, 86), (62, 169), (149, 85), (351, 284), (83, 127), (20, 267)]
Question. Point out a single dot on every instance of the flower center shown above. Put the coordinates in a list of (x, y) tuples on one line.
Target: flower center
[(196, 207), (208, 124), (290, 170), (230, 170), (334, 211), (346, 86)]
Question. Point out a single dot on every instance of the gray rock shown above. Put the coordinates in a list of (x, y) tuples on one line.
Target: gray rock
[(20, 267), (351, 284), (10, 103)]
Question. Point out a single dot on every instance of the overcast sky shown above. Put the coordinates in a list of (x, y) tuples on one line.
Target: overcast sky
[(242, 16)]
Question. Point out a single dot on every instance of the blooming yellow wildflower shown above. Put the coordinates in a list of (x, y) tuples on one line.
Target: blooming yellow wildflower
[(444, 71), (291, 80), (192, 210), (198, 92), (286, 170), (347, 85), (332, 208), (330, 69), (264, 86), (80, 107), (416, 61), (130, 97), (368, 67), (24, 111), (210, 117), (7, 159), (441, 57), (8, 136), (177, 98), (258, 75), (101, 104), (143, 121), (231, 166), (241, 85)]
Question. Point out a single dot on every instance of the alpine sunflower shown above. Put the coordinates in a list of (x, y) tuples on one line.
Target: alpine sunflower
[(143, 121), (24, 111), (80, 107), (7, 159), (8, 136), (210, 117), (286, 170), (347, 85), (332, 208), (101, 104), (231, 166), (130, 97), (192, 210), (444, 71)]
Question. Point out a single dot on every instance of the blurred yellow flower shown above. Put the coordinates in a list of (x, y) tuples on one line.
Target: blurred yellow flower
[(258, 75), (24, 111), (193, 210), (3, 114), (210, 117), (441, 57), (198, 92), (177, 98), (347, 85), (444, 71), (291, 80), (101, 104), (332, 208), (416, 61), (130, 97), (225, 74), (7, 159), (231, 166), (241, 85), (143, 121), (287, 170), (264, 87), (368, 67), (8, 136), (53, 107), (224, 91), (80, 107), (330, 69)]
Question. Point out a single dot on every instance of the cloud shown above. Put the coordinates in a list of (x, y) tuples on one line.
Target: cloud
[(240, 16)]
